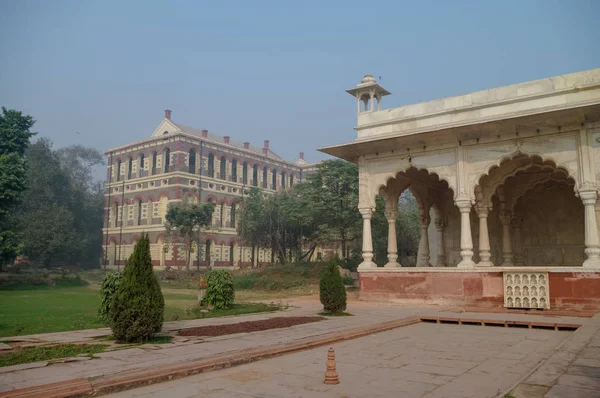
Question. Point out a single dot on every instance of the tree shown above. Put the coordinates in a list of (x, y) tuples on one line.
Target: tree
[(137, 309), (184, 224), (14, 140), (332, 291), (333, 194), (61, 214), (251, 214)]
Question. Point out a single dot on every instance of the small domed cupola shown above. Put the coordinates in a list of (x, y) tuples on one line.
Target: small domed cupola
[(367, 92)]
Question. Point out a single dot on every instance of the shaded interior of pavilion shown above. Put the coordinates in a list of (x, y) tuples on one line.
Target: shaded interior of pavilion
[(525, 212)]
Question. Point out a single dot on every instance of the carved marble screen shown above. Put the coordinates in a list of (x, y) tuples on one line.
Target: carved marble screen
[(526, 290)]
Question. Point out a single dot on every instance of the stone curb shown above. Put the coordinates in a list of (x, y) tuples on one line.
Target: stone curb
[(541, 379), (123, 381)]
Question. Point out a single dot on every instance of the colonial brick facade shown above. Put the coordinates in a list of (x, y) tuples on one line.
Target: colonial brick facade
[(182, 163)]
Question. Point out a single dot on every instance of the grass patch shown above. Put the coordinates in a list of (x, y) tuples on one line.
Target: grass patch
[(48, 309), (198, 312), (334, 314), (35, 354), (277, 277)]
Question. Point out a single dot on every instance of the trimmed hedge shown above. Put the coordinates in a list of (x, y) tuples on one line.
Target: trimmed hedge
[(137, 309), (108, 289), (332, 291)]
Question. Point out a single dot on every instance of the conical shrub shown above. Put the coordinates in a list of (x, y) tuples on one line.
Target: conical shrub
[(332, 291), (137, 309)]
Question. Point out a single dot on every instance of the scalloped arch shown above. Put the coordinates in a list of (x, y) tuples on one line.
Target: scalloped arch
[(534, 186), (519, 152), (382, 181)]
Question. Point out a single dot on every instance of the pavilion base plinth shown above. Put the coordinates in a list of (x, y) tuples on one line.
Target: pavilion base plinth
[(570, 288)]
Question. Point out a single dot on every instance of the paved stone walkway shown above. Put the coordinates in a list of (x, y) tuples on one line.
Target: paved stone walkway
[(421, 360), (153, 357), (572, 371)]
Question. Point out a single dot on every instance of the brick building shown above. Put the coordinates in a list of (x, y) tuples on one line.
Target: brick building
[(181, 163)]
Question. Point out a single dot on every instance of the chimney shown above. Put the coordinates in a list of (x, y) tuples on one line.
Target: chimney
[(302, 155), (168, 114), (226, 139), (246, 145), (205, 133), (265, 151), (266, 144)]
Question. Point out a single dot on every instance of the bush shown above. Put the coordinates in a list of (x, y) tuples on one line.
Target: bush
[(219, 289), (109, 287), (332, 291), (137, 309), (347, 281)]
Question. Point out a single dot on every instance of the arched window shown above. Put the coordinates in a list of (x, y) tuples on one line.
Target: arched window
[(283, 175), (154, 160), (119, 170), (129, 167), (167, 162), (139, 212), (211, 165), (245, 173), (291, 180), (223, 215), (192, 161), (255, 175), (141, 168), (274, 180), (265, 172), (207, 252), (231, 251), (234, 170), (223, 168), (233, 211)]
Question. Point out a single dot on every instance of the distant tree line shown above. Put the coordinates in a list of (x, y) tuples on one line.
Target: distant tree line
[(323, 211), (55, 212)]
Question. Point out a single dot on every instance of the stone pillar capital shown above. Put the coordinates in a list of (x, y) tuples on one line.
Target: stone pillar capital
[(588, 196), (482, 210), (505, 217), (424, 220), (391, 216), (463, 204), (366, 212), (440, 223)]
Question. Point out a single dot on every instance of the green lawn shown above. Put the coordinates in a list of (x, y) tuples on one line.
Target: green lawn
[(48, 309), (44, 309)]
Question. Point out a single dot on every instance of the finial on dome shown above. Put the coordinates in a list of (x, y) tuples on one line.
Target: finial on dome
[(368, 79)]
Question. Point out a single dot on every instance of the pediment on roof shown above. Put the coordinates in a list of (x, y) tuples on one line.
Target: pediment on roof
[(165, 125)]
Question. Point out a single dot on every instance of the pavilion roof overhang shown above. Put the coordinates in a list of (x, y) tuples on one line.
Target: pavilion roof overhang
[(454, 134)]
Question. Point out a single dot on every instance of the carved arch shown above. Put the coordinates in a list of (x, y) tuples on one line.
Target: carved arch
[(544, 160)]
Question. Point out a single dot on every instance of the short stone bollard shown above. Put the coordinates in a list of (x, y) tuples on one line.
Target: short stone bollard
[(331, 376)]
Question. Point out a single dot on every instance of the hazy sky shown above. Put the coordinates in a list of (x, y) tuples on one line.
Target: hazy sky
[(274, 70)]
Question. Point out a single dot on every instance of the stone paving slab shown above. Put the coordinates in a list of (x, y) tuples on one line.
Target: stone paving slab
[(141, 360), (376, 366)]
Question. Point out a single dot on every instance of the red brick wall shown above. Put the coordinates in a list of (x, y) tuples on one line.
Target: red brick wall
[(568, 290)]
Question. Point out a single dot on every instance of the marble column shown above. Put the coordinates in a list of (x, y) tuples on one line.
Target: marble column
[(392, 242), (372, 102), (423, 255), (507, 254), (484, 237), (367, 243), (517, 221), (466, 240), (441, 254), (592, 244)]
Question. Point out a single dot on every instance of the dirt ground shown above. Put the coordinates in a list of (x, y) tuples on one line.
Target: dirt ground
[(251, 326)]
